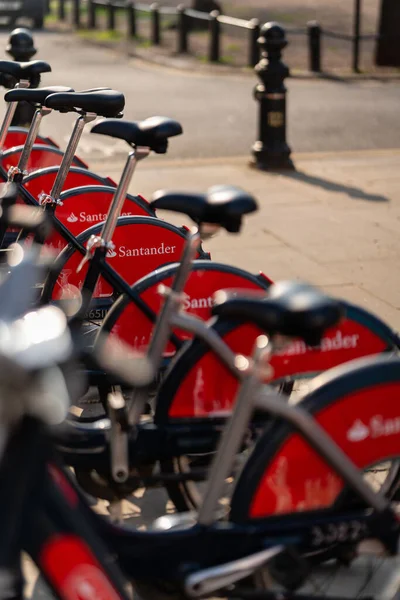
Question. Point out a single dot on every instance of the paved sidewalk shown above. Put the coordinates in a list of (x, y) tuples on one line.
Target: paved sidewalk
[(335, 221)]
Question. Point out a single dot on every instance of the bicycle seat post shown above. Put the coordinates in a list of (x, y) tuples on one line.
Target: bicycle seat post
[(89, 104), (98, 245), (10, 112), (173, 299), (68, 157), (17, 173), (117, 203), (162, 327)]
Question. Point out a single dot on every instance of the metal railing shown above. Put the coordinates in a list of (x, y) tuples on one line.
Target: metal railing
[(186, 17)]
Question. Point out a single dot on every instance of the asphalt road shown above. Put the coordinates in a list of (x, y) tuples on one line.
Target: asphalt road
[(218, 112)]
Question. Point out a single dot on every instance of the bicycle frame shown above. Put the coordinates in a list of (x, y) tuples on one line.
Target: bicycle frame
[(17, 174), (52, 200), (47, 522), (207, 555), (185, 435), (360, 334), (30, 144), (99, 245), (199, 558)]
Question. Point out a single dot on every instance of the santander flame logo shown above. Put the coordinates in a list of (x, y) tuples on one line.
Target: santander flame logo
[(72, 218), (358, 432), (111, 253)]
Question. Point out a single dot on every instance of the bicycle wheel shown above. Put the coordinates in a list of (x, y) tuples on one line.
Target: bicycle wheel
[(41, 156), (206, 277), (354, 404), (16, 136), (194, 389), (142, 244)]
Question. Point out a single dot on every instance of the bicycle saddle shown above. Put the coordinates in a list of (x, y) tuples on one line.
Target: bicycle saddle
[(152, 133), (223, 205), (34, 95), (24, 70), (105, 103), (289, 308)]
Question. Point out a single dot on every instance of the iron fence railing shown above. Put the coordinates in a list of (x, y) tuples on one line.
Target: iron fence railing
[(186, 17)]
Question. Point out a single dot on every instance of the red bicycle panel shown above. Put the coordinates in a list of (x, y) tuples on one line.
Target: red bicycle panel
[(343, 343), (43, 182), (18, 138), (81, 211), (39, 158), (340, 344), (209, 388), (74, 571), (139, 249), (135, 329), (366, 426)]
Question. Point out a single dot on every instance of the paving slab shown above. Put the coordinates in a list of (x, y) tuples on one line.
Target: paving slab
[(335, 221)]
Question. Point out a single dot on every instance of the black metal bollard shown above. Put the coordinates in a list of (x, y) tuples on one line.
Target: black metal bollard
[(91, 15), (314, 46), (271, 150), (131, 14), (183, 29), (110, 16), (357, 36), (215, 31), (155, 24), (76, 13), (21, 48), (254, 50), (61, 10)]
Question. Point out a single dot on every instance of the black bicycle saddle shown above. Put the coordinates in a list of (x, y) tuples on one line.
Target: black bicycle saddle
[(151, 133), (288, 308), (223, 205), (36, 96), (105, 103), (24, 70)]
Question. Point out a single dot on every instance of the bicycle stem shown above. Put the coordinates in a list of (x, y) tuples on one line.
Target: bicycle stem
[(10, 112)]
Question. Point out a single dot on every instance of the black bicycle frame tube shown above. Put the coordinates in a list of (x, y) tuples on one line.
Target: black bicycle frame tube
[(168, 555), (92, 276), (112, 277), (61, 532), (45, 518), (16, 498)]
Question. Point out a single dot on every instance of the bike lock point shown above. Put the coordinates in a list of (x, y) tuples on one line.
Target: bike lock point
[(21, 48), (271, 150)]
